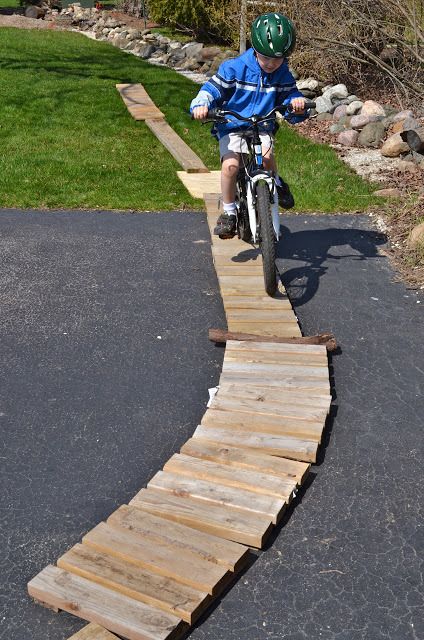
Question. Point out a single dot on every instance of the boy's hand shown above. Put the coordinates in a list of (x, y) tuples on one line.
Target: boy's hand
[(298, 105), (200, 113)]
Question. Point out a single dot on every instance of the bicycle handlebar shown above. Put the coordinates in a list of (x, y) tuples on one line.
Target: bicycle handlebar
[(219, 115)]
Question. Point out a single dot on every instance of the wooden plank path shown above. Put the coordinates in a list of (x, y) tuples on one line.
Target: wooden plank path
[(142, 107), (157, 564)]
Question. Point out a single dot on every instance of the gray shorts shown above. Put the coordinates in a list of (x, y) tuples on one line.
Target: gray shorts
[(235, 143)]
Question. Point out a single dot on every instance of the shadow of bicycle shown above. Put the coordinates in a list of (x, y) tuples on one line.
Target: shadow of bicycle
[(313, 249)]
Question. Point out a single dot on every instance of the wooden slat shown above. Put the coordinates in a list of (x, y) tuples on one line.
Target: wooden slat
[(274, 394), (311, 350), (274, 445), (185, 540), (176, 146), (256, 301), (268, 357), (233, 524), (257, 423), (122, 615), (297, 383), (93, 632), (217, 493), (291, 410), (237, 458), (278, 370), (281, 330), (138, 102), (197, 184), (239, 478), (164, 559), (260, 315), (135, 582)]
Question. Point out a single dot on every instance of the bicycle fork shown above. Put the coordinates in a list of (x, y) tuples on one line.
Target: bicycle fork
[(251, 204)]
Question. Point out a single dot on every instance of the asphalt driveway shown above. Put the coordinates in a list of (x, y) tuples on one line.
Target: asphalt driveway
[(104, 374)]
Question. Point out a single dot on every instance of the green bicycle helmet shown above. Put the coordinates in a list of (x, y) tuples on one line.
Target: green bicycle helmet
[(273, 35)]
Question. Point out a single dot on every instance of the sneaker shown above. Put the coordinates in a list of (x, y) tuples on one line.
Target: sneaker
[(285, 197), (225, 226)]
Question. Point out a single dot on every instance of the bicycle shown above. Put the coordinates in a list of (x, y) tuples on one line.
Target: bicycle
[(256, 192)]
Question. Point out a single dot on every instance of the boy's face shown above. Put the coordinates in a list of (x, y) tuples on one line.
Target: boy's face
[(269, 64)]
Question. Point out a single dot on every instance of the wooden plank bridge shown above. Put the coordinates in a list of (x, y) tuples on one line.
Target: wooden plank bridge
[(158, 563)]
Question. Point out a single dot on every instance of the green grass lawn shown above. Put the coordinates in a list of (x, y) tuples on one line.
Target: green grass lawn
[(9, 4), (67, 139)]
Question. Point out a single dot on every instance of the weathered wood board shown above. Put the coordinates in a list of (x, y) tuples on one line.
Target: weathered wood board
[(138, 102), (176, 146), (114, 611)]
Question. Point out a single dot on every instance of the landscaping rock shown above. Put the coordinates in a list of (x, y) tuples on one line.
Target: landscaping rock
[(308, 84), (402, 115), (147, 51), (323, 116), (345, 120), (416, 237), (388, 193), (339, 112), (406, 166), (339, 91), (348, 138), (397, 127), (354, 107), (360, 121), (323, 104), (209, 53), (337, 128), (394, 146), (372, 108), (192, 49), (371, 135), (410, 123)]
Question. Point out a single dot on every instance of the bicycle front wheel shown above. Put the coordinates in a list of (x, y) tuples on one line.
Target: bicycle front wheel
[(266, 236)]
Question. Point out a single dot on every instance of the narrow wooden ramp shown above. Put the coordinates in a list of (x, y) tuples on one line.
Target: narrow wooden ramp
[(157, 564), (141, 107)]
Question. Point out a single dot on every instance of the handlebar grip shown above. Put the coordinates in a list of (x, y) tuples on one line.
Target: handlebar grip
[(309, 104)]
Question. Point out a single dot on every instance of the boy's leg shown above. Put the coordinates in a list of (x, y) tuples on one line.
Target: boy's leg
[(285, 197), (226, 223)]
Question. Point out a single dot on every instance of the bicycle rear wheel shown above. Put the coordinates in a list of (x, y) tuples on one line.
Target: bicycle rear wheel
[(266, 236)]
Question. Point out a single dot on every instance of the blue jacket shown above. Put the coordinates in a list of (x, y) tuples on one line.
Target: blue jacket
[(242, 86)]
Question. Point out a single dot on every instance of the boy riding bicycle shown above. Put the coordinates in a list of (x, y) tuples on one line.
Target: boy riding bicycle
[(252, 83)]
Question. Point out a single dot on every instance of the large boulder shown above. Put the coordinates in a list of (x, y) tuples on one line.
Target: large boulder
[(372, 108), (394, 146), (372, 135)]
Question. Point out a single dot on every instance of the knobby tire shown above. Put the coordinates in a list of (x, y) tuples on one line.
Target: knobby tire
[(266, 237)]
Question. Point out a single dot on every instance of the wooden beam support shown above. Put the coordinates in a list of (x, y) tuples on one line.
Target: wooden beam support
[(221, 336)]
